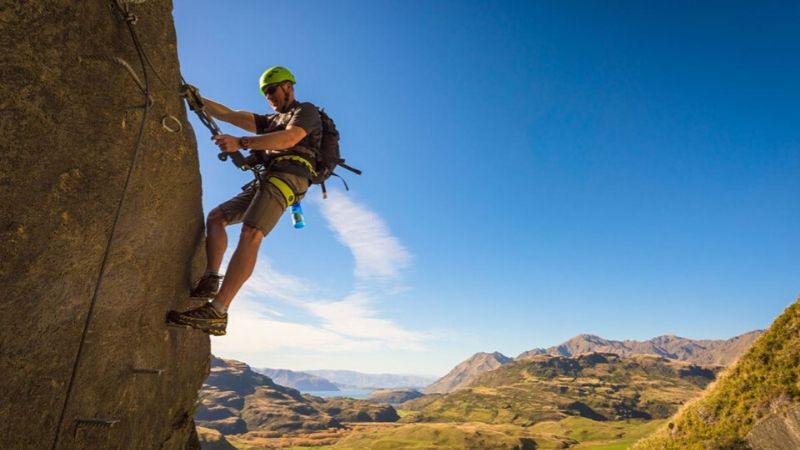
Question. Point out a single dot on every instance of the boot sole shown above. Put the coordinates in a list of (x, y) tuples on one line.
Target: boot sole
[(214, 329)]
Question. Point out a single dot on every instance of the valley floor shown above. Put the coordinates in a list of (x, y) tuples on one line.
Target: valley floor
[(572, 432)]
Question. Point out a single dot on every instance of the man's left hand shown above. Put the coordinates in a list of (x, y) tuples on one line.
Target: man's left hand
[(227, 143)]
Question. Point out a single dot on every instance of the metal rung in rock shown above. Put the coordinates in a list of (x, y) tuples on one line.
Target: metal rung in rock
[(149, 371), (98, 422)]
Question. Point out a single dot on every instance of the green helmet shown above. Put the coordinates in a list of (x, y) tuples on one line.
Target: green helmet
[(275, 75)]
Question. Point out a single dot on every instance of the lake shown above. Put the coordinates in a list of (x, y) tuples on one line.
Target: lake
[(352, 393)]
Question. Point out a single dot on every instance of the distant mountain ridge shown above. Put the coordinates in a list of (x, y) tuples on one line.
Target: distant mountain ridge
[(708, 352), (298, 380), (704, 351), (359, 380)]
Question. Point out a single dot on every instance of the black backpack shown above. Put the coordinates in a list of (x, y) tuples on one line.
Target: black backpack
[(328, 156)]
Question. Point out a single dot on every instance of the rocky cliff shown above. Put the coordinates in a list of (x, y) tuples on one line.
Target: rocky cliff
[(101, 220)]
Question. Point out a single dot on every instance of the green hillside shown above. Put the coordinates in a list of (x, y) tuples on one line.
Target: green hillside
[(596, 386), (765, 380), (573, 432)]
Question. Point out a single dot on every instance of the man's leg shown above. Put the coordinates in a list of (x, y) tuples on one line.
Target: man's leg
[(259, 211), (216, 244), (216, 239), (241, 266)]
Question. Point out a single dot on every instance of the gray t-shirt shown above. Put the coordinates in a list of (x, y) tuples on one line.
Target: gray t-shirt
[(304, 115)]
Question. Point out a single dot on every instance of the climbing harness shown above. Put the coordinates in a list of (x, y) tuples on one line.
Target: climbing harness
[(297, 165), (286, 190)]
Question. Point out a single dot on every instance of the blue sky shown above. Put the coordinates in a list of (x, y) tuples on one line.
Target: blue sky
[(532, 171)]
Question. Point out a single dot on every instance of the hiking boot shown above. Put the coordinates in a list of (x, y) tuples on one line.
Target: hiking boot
[(204, 318), (207, 287)]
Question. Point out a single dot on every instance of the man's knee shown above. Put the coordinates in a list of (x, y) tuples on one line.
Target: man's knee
[(216, 217), (251, 234)]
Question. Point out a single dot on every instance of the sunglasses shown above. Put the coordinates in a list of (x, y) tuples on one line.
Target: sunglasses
[(270, 89)]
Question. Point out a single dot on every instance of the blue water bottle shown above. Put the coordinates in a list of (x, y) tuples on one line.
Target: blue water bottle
[(297, 216)]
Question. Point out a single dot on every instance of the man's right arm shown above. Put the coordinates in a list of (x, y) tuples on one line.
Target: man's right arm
[(242, 119)]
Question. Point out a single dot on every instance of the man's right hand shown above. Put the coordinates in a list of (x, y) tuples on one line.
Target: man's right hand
[(227, 143)]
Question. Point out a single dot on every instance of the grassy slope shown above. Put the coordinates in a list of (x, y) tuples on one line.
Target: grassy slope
[(765, 378), (574, 432), (578, 433), (550, 388), (599, 435)]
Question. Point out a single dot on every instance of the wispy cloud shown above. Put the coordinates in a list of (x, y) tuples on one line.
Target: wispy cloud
[(377, 253), (266, 282), (355, 318), (348, 324)]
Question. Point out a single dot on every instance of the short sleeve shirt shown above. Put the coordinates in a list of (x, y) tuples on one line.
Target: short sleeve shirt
[(304, 115)]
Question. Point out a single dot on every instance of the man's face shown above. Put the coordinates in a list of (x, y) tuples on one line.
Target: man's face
[(278, 95)]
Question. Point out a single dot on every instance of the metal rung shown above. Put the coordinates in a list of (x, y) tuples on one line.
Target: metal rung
[(98, 422), (150, 371)]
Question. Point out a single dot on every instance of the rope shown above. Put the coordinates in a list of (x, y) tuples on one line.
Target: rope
[(130, 20), (121, 62)]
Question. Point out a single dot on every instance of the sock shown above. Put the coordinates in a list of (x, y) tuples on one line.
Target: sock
[(211, 272), (222, 309)]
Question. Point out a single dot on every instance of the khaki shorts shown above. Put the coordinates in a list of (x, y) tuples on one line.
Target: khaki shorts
[(261, 208)]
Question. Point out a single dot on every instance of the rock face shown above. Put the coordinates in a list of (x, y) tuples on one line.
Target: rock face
[(87, 360), (705, 351), (467, 371), (777, 431)]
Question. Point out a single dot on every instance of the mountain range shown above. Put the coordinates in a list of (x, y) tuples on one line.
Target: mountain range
[(359, 380), (597, 386), (298, 380), (705, 352)]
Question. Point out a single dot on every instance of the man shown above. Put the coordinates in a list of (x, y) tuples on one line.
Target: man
[(286, 143)]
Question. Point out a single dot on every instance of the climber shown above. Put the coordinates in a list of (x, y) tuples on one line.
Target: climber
[(284, 144)]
